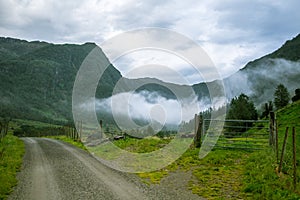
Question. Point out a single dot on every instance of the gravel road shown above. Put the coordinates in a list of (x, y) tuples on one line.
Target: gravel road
[(56, 170)]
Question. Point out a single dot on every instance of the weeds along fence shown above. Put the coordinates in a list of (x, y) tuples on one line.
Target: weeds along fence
[(287, 159)]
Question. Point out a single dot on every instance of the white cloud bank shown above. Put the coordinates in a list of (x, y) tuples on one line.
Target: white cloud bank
[(150, 107)]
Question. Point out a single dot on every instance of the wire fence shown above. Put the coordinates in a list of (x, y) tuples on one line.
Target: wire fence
[(240, 134)]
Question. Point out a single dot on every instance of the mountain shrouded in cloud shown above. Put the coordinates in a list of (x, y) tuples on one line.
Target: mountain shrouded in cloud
[(37, 80)]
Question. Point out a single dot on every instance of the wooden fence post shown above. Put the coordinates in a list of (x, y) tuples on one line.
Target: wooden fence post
[(276, 144), (80, 130), (73, 130), (198, 130), (101, 123), (77, 130), (283, 149), (101, 126), (65, 131), (294, 159), (69, 131), (272, 123)]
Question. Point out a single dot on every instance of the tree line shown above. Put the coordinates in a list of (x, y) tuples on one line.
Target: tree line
[(242, 108)]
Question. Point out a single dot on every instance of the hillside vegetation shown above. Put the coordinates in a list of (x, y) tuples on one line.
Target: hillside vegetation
[(262, 178), (37, 79)]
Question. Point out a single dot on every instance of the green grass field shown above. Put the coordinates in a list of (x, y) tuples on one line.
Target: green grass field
[(222, 174), (234, 173), (262, 180)]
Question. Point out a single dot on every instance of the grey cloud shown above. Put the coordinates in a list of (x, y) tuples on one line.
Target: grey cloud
[(216, 24), (141, 105), (264, 19), (145, 14)]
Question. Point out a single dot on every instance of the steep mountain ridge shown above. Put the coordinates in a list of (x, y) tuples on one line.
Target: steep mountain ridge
[(260, 77), (37, 78)]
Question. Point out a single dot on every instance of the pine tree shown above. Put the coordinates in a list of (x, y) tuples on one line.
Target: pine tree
[(241, 108), (281, 96), (297, 95)]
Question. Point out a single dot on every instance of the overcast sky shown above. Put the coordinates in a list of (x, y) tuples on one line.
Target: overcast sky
[(232, 32)]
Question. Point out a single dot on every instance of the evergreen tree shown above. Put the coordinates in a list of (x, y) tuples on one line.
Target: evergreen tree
[(240, 108), (281, 96), (297, 95)]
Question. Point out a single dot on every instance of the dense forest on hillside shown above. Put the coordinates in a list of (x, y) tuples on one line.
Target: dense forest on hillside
[(37, 79)]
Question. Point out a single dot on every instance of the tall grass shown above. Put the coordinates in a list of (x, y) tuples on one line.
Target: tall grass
[(262, 180), (11, 153)]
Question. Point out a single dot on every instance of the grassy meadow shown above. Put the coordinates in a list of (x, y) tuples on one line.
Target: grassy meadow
[(222, 174)]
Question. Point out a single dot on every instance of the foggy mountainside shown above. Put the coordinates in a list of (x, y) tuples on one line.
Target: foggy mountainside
[(257, 79), (260, 77), (37, 79)]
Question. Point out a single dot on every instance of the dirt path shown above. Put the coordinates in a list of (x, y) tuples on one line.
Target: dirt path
[(55, 170)]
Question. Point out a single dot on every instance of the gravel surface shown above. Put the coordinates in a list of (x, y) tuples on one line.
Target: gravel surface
[(56, 170)]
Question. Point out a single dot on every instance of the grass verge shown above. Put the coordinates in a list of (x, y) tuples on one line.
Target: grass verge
[(70, 141), (11, 154), (262, 181), (217, 176), (144, 145)]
